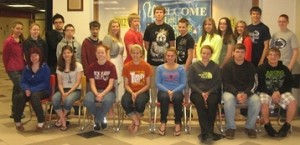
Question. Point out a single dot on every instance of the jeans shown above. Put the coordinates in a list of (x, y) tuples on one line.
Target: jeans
[(164, 100), (15, 77), (35, 100), (206, 115), (67, 103), (230, 101), (99, 109), (138, 106)]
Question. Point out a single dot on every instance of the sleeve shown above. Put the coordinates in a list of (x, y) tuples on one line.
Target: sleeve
[(288, 81), (6, 54), (43, 80), (182, 79), (125, 71), (272, 42), (58, 50), (146, 36), (216, 80), (266, 34), (253, 81), (84, 56), (192, 81), (262, 80), (45, 45), (248, 44), (113, 74), (228, 80), (24, 83), (295, 44), (159, 80), (78, 51), (148, 69), (90, 71), (217, 46), (171, 34), (198, 47), (26, 48), (191, 43), (107, 41)]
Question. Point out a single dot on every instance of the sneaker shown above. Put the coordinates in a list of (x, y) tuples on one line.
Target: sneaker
[(270, 130), (217, 136), (284, 129), (204, 138), (229, 133), (96, 127), (250, 132), (104, 125)]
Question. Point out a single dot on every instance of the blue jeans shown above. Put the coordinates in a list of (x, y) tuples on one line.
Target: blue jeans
[(164, 100), (67, 103), (15, 77), (99, 109), (137, 107), (230, 101)]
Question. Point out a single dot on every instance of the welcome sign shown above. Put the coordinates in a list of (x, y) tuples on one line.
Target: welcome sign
[(193, 10)]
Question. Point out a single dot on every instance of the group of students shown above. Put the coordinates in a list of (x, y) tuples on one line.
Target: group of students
[(168, 71)]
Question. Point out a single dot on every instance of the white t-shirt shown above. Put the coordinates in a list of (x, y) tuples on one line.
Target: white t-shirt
[(69, 78)]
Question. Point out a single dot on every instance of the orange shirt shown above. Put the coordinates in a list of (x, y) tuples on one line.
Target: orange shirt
[(137, 74)]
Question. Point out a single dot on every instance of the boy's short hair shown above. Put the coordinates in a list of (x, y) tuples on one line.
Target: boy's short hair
[(255, 9), (131, 17), (285, 16), (159, 8), (184, 20), (58, 16), (239, 46), (276, 50), (95, 24)]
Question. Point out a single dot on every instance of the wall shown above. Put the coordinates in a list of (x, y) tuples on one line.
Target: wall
[(80, 19)]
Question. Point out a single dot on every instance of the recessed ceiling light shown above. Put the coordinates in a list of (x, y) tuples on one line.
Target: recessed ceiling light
[(106, 2), (42, 10), (115, 8), (21, 6)]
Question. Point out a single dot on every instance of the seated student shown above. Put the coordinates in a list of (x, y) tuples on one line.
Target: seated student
[(204, 79), (69, 73), (275, 85), (35, 84), (102, 75), (239, 81), (170, 82), (137, 74)]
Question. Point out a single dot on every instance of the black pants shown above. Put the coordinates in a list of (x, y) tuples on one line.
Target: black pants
[(35, 100), (206, 116)]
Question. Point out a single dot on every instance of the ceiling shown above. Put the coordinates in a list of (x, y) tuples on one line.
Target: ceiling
[(38, 5)]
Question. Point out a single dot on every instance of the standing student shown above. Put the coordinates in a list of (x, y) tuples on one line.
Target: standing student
[(137, 74), (286, 41), (158, 37), (102, 75), (225, 31), (69, 39), (53, 37), (260, 36), (89, 46), (35, 40), (115, 44), (13, 59), (204, 79), (132, 36), (210, 37), (241, 35), (170, 82)]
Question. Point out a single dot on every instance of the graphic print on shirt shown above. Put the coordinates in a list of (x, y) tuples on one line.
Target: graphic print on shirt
[(181, 52), (254, 36), (101, 75), (137, 77), (205, 75), (171, 77), (274, 79), (280, 43), (159, 46)]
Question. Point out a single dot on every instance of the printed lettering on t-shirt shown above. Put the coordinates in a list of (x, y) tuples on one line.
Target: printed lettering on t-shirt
[(181, 50), (254, 36), (101, 75), (137, 77), (205, 75), (159, 46)]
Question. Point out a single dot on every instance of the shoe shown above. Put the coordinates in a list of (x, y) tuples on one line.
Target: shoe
[(205, 137), (217, 137), (284, 129), (229, 133), (270, 130), (39, 129), (64, 128), (104, 125), (162, 132), (96, 127), (250, 132), (20, 128), (57, 124)]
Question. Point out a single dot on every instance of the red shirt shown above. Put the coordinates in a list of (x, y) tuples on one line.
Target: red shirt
[(132, 37), (13, 55), (102, 74)]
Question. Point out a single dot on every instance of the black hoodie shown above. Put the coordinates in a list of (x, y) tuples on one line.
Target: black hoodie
[(272, 79)]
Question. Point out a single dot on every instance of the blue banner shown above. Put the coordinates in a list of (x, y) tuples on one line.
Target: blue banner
[(193, 10)]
